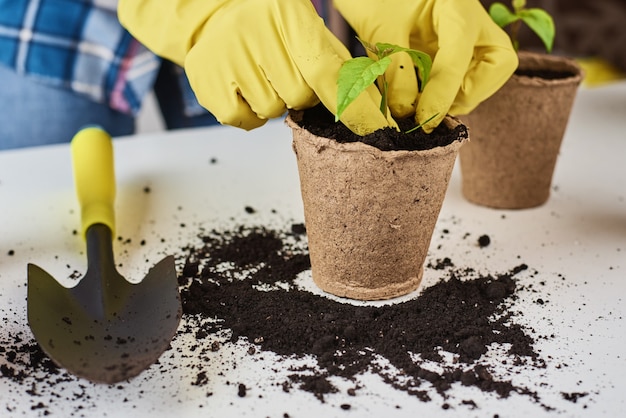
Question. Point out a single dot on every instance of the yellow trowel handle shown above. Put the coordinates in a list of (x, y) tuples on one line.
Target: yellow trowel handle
[(94, 177)]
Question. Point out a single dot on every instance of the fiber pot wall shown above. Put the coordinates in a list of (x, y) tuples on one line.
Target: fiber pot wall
[(369, 214), (516, 135)]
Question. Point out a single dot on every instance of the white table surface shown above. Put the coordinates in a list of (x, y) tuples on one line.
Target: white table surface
[(576, 244)]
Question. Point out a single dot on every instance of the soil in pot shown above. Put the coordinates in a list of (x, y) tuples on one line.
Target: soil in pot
[(517, 134), (319, 121), (371, 203)]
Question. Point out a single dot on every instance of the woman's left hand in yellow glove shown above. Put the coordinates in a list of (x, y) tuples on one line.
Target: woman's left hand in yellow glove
[(251, 60), (472, 56)]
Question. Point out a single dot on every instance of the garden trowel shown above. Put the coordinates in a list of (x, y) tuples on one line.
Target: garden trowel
[(104, 329)]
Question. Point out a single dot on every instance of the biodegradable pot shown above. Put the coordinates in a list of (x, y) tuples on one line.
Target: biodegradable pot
[(369, 214), (516, 135)]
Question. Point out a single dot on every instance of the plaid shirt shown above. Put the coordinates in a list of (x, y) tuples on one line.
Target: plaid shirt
[(77, 45), (80, 45)]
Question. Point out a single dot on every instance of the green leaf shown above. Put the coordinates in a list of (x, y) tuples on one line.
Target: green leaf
[(542, 24), (423, 63), (389, 49), (422, 124), (502, 15), (355, 76), (518, 5), (421, 60)]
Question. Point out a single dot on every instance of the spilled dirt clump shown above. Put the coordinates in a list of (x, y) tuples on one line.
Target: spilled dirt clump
[(245, 283)]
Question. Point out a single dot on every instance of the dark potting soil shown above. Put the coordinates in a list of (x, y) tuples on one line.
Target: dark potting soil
[(461, 314), (319, 121), (484, 241), (545, 74)]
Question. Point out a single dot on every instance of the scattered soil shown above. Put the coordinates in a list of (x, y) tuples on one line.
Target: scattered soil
[(257, 300), (484, 241), (241, 285), (320, 122), (574, 396)]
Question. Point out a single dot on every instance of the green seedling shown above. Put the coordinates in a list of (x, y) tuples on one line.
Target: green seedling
[(357, 74), (538, 20)]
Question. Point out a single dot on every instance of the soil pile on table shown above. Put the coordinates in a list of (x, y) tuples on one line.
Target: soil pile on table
[(248, 285), (245, 282)]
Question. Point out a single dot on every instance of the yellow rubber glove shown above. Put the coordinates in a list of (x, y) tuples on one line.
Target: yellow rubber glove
[(472, 56), (251, 60)]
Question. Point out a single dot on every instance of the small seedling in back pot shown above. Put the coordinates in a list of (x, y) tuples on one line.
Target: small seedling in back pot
[(538, 20), (357, 74)]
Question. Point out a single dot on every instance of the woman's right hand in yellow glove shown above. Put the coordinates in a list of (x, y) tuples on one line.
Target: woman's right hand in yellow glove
[(251, 60)]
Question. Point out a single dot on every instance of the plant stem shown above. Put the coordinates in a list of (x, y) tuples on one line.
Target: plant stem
[(383, 91), (515, 27)]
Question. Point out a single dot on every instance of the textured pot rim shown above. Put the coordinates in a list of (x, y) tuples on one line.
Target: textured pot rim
[(360, 147), (541, 61)]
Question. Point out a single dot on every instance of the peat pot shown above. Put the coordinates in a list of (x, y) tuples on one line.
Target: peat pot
[(516, 134), (369, 214)]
